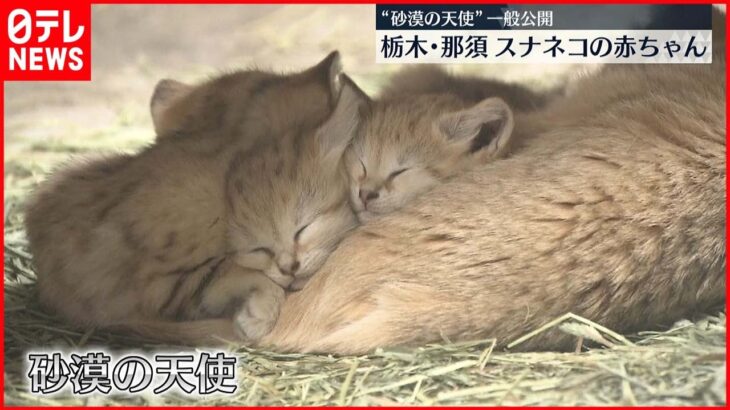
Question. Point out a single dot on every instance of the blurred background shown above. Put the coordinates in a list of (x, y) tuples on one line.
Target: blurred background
[(134, 46)]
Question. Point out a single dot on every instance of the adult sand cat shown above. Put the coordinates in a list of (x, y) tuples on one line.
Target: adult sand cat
[(162, 236), (615, 211)]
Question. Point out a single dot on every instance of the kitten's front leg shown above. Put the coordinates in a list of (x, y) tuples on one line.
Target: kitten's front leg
[(257, 316), (249, 297)]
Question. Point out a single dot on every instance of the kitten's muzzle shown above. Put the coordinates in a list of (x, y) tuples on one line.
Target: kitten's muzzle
[(291, 270), (367, 195)]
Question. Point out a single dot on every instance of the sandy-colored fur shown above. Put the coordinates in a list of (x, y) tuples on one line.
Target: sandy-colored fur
[(615, 211), (137, 240), (412, 143), (246, 103), (287, 215)]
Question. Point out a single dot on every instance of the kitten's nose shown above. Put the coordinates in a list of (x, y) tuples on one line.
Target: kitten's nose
[(293, 268), (367, 195)]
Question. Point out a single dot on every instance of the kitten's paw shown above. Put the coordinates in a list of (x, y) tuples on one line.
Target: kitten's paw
[(258, 314)]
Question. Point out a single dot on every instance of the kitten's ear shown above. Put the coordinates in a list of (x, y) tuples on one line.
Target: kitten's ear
[(341, 127), (166, 92), (329, 71), (484, 128)]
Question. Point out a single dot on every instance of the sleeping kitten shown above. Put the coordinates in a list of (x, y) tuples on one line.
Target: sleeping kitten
[(427, 126), (287, 210), (155, 241), (412, 143), (287, 223)]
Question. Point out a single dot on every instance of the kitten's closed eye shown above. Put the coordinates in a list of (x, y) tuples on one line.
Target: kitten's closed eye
[(256, 259), (264, 250), (396, 173), (299, 232)]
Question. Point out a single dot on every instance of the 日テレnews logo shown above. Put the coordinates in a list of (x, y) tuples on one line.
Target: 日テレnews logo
[(46, 40)]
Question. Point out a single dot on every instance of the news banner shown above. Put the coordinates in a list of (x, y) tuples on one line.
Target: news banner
[(543, 34)]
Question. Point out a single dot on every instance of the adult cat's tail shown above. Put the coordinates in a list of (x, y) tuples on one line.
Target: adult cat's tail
[(208, 332)]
